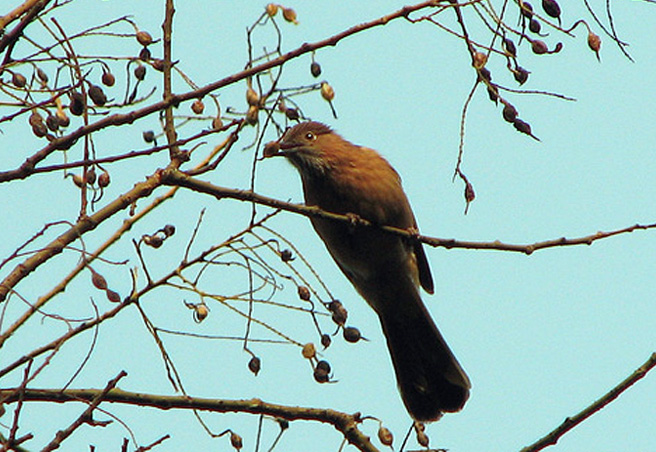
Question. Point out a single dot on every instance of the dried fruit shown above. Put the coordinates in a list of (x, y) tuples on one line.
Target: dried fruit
[(217, 123), (103, 179), (271, 9), (289, 15), (236, 441), (385, 436), (169, 230), (552, 8), (76, 106), (52, 121), (35, 118), (309, 351), (303, 293), (271, 149), (91, 176), (539, 47), (470, 195), (469, 192), (144, 54), (422, 439), (158, 64), (108, 78), (534, 26), (521, 75), (286, 255), (292, 114), (254, 365), (327, 91), (323, 365), (97, 95), (509, 112), (352, 334), (140, 72), (198, 107), (144, 38), (527, 9), (509, 46), (148, 136), (112, 296), (40, 130), (200, 312), (493, 93), (252, 98), (98, 280), (594, 42), (522, 126), (325, 340), (480, 59), (485, 74), (339, 312), (77, 180), (41, 75), (154, 241), (252, 115), (322, 372), (18, 80), (315, 69)]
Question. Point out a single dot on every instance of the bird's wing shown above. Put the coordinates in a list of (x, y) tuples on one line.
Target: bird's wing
[(425, 277)]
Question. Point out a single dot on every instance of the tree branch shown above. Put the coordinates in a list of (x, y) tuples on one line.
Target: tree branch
[(346, 424), (85, 417), (177, 178), (119, 119), (571, 422), (83, 226)]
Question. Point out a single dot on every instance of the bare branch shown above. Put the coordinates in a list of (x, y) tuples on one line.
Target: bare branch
[(177, 178), (346, 424), (85, 417), (569, 423), (119, 119)]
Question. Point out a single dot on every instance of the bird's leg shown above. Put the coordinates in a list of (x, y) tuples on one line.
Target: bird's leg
[(413, 235)]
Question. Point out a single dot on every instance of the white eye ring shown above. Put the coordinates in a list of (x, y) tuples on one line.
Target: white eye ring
[(310, 136)]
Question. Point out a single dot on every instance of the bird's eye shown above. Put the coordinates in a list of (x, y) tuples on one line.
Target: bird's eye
[(310, 136)]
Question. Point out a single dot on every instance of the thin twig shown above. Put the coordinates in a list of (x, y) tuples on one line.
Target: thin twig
[(571, 422), (85, 417), (119, 119)]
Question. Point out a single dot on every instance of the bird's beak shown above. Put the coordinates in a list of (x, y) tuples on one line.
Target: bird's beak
[(271, 149), (276, 148)]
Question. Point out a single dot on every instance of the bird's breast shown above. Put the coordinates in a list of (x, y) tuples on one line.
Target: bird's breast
[(371, 191)]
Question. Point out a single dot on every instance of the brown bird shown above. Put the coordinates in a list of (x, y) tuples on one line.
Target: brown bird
[(386, 269)]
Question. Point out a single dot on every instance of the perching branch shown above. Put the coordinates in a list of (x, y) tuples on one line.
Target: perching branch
[(177, 178)]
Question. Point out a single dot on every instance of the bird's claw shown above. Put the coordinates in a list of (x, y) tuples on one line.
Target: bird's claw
[(353, 220)]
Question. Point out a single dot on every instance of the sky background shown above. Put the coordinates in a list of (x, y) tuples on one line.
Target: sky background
[(541, 336)]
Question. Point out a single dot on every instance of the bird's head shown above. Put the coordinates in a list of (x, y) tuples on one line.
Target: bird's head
[(306, 146)]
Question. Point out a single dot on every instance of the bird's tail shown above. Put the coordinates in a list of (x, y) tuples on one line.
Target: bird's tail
[(430, 379)]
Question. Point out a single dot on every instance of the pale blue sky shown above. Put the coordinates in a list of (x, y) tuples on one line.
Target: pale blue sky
[(540, 336)]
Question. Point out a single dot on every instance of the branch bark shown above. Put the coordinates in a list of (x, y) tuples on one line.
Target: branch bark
[(571, 422), (177, 178), (346, 424)]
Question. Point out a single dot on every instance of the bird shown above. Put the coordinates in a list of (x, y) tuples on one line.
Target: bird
[(386, 269)]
